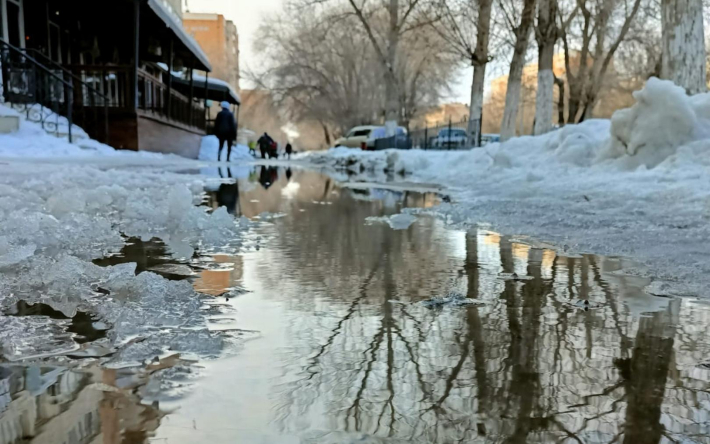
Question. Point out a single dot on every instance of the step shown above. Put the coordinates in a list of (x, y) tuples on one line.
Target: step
[(9, 124)]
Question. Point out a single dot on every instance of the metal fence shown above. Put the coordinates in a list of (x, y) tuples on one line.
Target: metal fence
[(446, 136)]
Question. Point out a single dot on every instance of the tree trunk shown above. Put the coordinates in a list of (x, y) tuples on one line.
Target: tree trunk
[(560, 101), (573, 105), (476, 108), (545, 86), (480, 59), (547, 37), (512, 94), (326, 133), (683, 59), (392, 94)]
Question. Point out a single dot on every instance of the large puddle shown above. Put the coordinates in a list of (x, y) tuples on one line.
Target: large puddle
[(552, 348)]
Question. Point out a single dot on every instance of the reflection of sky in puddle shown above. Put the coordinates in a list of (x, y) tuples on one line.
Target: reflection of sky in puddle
[(336, 360)]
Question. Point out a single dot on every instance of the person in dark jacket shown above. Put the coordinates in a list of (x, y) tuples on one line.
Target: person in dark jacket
[(225, 128), (265, 142), (289, 150)]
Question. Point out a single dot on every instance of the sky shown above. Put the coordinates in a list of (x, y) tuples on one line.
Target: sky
[(249, 14)]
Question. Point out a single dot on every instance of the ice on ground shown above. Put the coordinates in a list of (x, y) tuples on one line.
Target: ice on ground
[(58, 216), (209, 149), (400, 221), (635, 185)]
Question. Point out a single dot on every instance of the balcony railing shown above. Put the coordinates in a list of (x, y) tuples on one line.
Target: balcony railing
[(155, 99)]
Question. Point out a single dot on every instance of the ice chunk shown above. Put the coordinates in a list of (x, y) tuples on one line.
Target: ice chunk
[(397, 222), (14, 254), (450, 300)]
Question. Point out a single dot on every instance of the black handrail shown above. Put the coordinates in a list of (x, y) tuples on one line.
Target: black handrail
[(4, 46), (106, 99)]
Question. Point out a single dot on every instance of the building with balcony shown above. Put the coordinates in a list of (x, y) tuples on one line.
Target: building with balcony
[(129, 61)]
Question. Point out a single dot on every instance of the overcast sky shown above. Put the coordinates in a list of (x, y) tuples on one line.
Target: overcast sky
[(248, 15)]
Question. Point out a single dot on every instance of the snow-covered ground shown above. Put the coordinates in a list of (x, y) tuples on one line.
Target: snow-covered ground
[(637, 186), (62, 206), (210, 149)]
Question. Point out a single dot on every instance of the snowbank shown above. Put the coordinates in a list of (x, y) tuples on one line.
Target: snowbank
[(32, 141), (209, 149), (636, 185)]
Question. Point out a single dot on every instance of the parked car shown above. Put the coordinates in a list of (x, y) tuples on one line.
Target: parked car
[(356, 137), (489, 138), (366, 136), (451, 138)]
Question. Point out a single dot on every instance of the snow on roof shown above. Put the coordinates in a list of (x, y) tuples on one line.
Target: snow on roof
[(214, 81)]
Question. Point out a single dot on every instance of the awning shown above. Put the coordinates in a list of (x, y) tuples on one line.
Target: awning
[(172, 22), (217, 90)]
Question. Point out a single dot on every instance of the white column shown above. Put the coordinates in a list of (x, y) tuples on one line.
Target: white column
[(21, 4), (3, 15)]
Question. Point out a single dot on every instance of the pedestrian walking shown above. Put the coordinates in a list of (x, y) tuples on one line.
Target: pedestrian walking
[(289, 150), (265, 143), (225, 128)]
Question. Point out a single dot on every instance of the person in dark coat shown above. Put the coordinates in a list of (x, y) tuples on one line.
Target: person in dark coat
[(265, 142), (289, 150), (225, 128)]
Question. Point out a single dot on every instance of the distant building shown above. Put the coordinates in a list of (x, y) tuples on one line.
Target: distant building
[(219, 39), (613, 97)]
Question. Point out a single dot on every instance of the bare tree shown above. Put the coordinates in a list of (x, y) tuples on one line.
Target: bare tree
[(597, 23), (521, 31), (546, 34), (322, 68), (466, 26), (401, 18), (684, 58), (424, 71)]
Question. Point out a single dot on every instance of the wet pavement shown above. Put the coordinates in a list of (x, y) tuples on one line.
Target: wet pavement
[(550, 348)]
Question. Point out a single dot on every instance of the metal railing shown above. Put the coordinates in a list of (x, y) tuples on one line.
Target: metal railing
[(90, 104), (446, 136), (156, 98), (33, 89)]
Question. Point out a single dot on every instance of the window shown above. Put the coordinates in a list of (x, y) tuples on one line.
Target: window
[(360, 133), (13, 24), (55, 43)]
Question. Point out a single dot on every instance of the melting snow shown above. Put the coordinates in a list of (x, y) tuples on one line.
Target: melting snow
[(636, 185)]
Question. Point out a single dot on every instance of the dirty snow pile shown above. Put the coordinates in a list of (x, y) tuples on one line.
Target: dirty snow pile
[(636, 185), (56, 219)]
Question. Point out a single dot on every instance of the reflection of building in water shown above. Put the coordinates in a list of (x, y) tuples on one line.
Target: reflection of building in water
[(219, 281), (50, 405)]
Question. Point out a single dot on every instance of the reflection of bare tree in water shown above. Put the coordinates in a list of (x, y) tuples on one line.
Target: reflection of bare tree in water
[(645, 375), (528, 366)]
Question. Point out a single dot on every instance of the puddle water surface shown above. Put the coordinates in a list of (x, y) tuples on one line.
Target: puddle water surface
[(529, 346), (557, 349)]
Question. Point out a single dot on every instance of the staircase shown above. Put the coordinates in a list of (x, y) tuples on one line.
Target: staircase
[(9, 121), (42, 91)]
